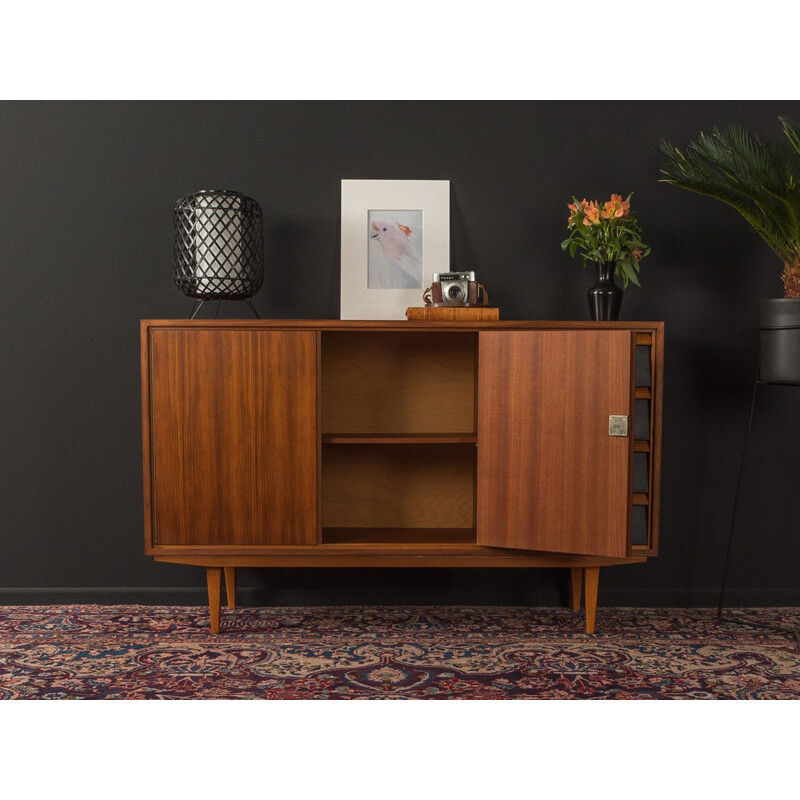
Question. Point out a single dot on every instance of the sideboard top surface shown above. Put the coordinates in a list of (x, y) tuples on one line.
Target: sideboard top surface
[(399, 325)]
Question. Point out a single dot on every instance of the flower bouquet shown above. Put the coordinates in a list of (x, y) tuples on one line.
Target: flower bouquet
[(607, 234)]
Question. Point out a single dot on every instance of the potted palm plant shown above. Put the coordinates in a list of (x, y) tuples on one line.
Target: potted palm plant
[(762, 182)]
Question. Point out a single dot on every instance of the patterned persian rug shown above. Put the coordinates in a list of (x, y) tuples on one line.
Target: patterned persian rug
[(150, 652)]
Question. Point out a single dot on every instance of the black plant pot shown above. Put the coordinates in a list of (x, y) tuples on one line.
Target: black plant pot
[(605, 297), (780, 341)]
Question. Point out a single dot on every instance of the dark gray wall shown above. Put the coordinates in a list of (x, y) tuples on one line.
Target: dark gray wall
[(86, 196)]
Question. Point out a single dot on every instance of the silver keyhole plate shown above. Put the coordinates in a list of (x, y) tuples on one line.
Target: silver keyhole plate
[(617, 425)]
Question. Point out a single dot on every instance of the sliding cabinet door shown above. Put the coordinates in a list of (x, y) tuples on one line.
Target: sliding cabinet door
[(233, 436)]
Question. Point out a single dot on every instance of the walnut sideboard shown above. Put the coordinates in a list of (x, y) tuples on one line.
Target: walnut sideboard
[(401, 444)]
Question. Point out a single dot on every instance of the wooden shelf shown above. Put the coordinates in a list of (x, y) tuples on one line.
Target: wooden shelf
[(399, 438), (398, 536), (641, 446), (640, 499), (643, 393)]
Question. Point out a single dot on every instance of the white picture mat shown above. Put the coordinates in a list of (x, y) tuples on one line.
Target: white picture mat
[(361, 197)]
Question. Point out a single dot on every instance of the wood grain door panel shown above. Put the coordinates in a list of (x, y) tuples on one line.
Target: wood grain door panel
[(550, 477), (234, 436)]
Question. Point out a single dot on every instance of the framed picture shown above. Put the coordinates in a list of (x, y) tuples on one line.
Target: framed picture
[(395, 235)]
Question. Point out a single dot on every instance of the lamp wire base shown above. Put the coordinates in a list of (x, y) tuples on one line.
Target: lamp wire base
[(198, 304)]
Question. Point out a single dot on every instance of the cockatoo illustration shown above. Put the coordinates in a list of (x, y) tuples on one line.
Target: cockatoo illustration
[(402, 263)]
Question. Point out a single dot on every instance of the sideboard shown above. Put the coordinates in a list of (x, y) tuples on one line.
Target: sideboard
[(292, 443)]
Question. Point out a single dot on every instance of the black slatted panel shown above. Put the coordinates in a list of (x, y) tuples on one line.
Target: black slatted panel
[(642, 425), (639, 532), (643, 352)]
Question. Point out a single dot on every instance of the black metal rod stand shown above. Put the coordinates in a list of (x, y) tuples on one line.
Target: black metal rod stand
[(198, 303), (729, 549)]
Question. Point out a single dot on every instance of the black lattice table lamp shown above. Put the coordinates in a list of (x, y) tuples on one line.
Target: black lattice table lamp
[(219, 247)]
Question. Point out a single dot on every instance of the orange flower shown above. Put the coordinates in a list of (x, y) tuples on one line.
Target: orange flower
[(575, 208), (572, 212), (592, 213), (616, 207), (638, 254)]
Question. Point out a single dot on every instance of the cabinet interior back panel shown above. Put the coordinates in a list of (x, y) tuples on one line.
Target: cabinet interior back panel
[(398, 486), (398, 382)]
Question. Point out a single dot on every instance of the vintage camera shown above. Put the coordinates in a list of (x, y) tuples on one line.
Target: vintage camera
[(454, 288)]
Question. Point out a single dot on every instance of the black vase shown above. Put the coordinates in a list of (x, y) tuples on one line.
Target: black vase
[(605, 297), (780, 341)]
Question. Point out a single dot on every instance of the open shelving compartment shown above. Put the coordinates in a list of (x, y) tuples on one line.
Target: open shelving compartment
[(398, 423)]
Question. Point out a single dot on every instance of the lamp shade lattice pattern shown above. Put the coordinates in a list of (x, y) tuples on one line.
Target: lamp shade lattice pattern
[(219, 245)]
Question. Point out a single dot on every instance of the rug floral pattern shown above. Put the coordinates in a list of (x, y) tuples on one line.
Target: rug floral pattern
[(151, 652)]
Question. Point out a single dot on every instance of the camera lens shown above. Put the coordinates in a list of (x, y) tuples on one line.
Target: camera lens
[(455, 292)]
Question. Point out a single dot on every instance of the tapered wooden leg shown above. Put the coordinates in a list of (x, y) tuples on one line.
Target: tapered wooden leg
[(576, 573), (230, 586), (214, 580), (591, 580)]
